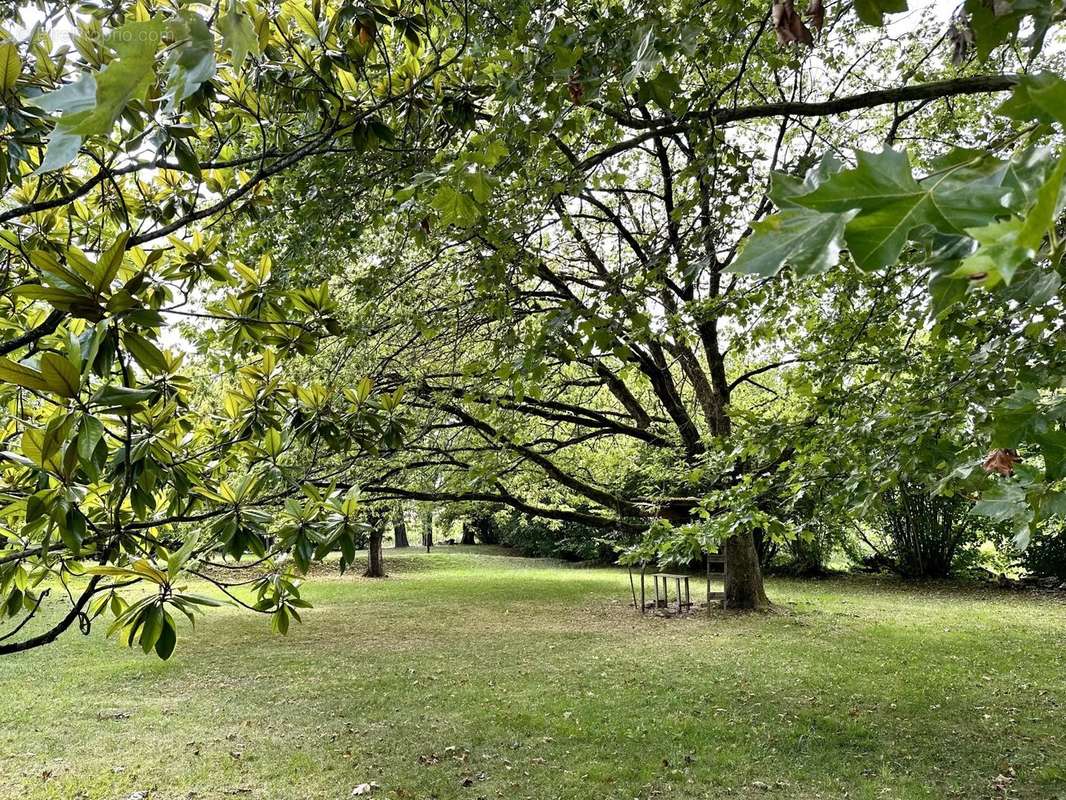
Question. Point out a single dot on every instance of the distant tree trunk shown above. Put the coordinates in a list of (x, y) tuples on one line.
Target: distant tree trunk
[(427, 529), (375, 568), (399, 527), (743, 576), (468, 533), (486, 529)]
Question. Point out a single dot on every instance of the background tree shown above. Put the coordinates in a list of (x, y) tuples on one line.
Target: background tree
[(596, 339)]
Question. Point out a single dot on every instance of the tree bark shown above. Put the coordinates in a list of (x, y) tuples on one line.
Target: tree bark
[(486, 529), (743, 576), (375, 567), (427, 529), (468, 533), (399, 527)]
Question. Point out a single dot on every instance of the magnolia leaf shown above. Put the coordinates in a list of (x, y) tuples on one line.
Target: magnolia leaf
[(164, 645), (121, 397), (62, 377), (110, 262), (20, 375), (10, 65), (90, 433), (145, 353), (177, 560)]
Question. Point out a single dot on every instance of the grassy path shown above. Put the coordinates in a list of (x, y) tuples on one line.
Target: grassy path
[(466, 676)]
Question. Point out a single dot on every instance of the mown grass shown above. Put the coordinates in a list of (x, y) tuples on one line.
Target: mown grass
[(478, 676)]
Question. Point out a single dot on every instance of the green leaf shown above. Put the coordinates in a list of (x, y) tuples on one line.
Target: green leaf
[(164, 646), (152, 628), (110, 262), (62, 148), (1045, 212), (10, 65), (90, 432), (72, 533), (1040, 96), (93, 104), (121, 397), (990, 28), (280, 621), (26, 377), (124, 79), (187, 160), (872, 12), (62, 378), (72, 98), (891, 204), (177, 560), (60, 298), (1001, 503), (193, 61), (809, 241), (272, 443), (1053, 449), (999, 253), (877, 180), (238, 34), (456, 208), (145, 353)]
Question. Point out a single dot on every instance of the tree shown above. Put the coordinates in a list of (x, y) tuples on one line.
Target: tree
[(120, 153), (603, 319), (375, 567), (399, 526), (599, 262)]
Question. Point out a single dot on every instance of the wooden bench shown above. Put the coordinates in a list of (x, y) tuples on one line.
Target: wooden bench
[(662, 600), (662, 581)]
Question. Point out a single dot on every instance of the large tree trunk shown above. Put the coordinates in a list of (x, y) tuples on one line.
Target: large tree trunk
[(468, 533), (743, 576), (399, 527), (375, 567)]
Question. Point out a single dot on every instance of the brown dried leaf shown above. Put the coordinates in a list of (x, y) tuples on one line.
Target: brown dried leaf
[(1002, 462), (800, 32), (816, 14), (576, 89), (781, 19)]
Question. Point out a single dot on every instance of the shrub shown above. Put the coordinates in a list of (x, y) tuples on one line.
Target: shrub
[(922, 533), (542, 539), (1045, 557)]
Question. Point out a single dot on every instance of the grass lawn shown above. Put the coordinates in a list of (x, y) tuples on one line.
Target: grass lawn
[(482, 676)]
